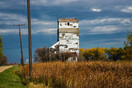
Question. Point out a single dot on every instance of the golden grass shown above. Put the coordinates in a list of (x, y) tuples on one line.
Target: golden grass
[(81, 74)]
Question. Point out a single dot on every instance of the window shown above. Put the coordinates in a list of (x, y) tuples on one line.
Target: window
[(68, 23), (60, 24)]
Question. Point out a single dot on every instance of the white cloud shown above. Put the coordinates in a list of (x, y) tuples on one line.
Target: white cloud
[(47, 31), (38, 31), (39, 26), (109, 29), (124, 21), (127, 9), (104, 29), (8, 31), (20, 19), (105, 25), (12, 18), (25, 31), (39, 22), (95, 26), (111, 42), (51, 2), (96, 10)]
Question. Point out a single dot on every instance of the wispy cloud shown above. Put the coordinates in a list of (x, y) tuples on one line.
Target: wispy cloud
[(127, 9), (105, 25), (51, 2), (17, 18), (107, 42), (39, 26), (8, 31), (96, 10), (94, 26), (8, 18), (40, 22), (104, 21), (104, 29), (25, 31), (47, 31)]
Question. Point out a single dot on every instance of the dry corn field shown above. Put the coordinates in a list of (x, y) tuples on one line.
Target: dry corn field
[(81, 74)]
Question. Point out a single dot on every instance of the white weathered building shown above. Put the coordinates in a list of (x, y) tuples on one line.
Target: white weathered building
[(68, 36)]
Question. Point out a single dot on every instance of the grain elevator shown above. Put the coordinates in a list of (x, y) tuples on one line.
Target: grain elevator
[(67, 36)]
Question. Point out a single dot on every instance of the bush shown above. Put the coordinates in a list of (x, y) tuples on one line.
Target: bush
[(94, 54), (1, 45), (43, 55), (115, 54), (128, 47), (103, 54), (4, 60), (128, 53)]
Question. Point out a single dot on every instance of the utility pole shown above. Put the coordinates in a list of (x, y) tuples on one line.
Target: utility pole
[(22, 62), (29, 38)]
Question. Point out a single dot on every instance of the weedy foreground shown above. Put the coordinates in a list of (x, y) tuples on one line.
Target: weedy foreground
[(92, 74)]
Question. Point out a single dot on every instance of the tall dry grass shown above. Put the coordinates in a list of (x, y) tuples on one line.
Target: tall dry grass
[(81, 74)]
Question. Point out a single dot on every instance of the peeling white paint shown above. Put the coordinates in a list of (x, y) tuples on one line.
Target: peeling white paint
[(68, 36)]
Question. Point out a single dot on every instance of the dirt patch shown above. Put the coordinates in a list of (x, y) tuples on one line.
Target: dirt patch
[(2, 68)]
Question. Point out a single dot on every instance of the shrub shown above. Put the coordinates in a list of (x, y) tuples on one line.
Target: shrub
[(4, 60), (43, 55), (1, 45), (128, 47), (128, 53), (115, 54), (94, 54)]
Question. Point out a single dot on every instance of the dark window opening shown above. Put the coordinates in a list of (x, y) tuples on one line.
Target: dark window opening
[(66, 46), (74, 26), (60, 24), (68, 23)]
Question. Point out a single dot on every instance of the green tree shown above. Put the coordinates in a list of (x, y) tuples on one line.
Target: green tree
[(95, 54), (128, 43), (115, 54), (128, 47), (3, 58), (1, 45)]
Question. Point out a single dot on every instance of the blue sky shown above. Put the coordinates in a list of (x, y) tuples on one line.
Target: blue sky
[(102, 23)]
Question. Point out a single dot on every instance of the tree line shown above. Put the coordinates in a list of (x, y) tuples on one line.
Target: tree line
[(96, 53), (112, 54)]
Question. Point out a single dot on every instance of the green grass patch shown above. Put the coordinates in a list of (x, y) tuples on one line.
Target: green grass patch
[(11, 79)]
